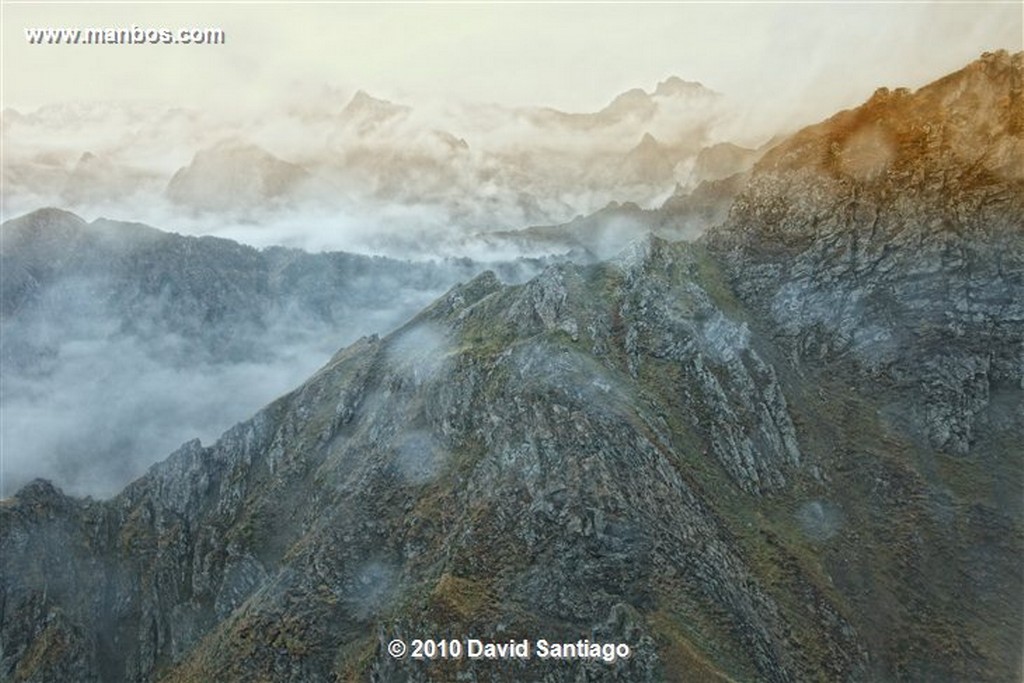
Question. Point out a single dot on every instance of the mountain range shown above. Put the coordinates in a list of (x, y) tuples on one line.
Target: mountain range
[(788, 450), (467, 168)]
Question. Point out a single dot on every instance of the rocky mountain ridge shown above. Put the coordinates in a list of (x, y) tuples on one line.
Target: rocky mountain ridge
[(727, 454), (837, 218), (162, 282)]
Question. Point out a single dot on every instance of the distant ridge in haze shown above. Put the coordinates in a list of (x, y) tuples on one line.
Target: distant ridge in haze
[(160, 337)]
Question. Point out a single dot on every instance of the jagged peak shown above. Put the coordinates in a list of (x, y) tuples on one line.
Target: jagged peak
[(363, 103), (615, 207), (999, 61), (978, 104), (363, 98), (236, 155), (639, 252), (675, 86), (464, 296), (648, 141), (41, 491)]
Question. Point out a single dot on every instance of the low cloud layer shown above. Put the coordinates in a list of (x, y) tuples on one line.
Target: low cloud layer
[(106, 370)]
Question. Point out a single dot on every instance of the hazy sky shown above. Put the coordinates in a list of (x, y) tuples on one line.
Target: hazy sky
[(811, 56)]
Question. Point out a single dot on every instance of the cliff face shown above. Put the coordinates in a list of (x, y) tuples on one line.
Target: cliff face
[(890, 236), (728, 455)]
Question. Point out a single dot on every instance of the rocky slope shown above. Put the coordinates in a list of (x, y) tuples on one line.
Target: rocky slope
[(509, 463), (726, 454), (889, 236)]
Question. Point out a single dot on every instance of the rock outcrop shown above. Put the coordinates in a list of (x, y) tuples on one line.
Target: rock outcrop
[(891, 236)]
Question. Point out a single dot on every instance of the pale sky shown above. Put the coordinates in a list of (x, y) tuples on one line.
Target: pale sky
[(814, 56)]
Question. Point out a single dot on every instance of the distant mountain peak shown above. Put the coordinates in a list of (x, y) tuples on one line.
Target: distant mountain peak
[(364, 99), (233, 174), (649, 140), (675, 86), (46, 216), (639, 101), (235, 150), (632, 98), (364, 104), (55, 231), (649, 149)]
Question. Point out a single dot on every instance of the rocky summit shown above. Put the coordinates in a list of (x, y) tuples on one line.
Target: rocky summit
[(789, 451)]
